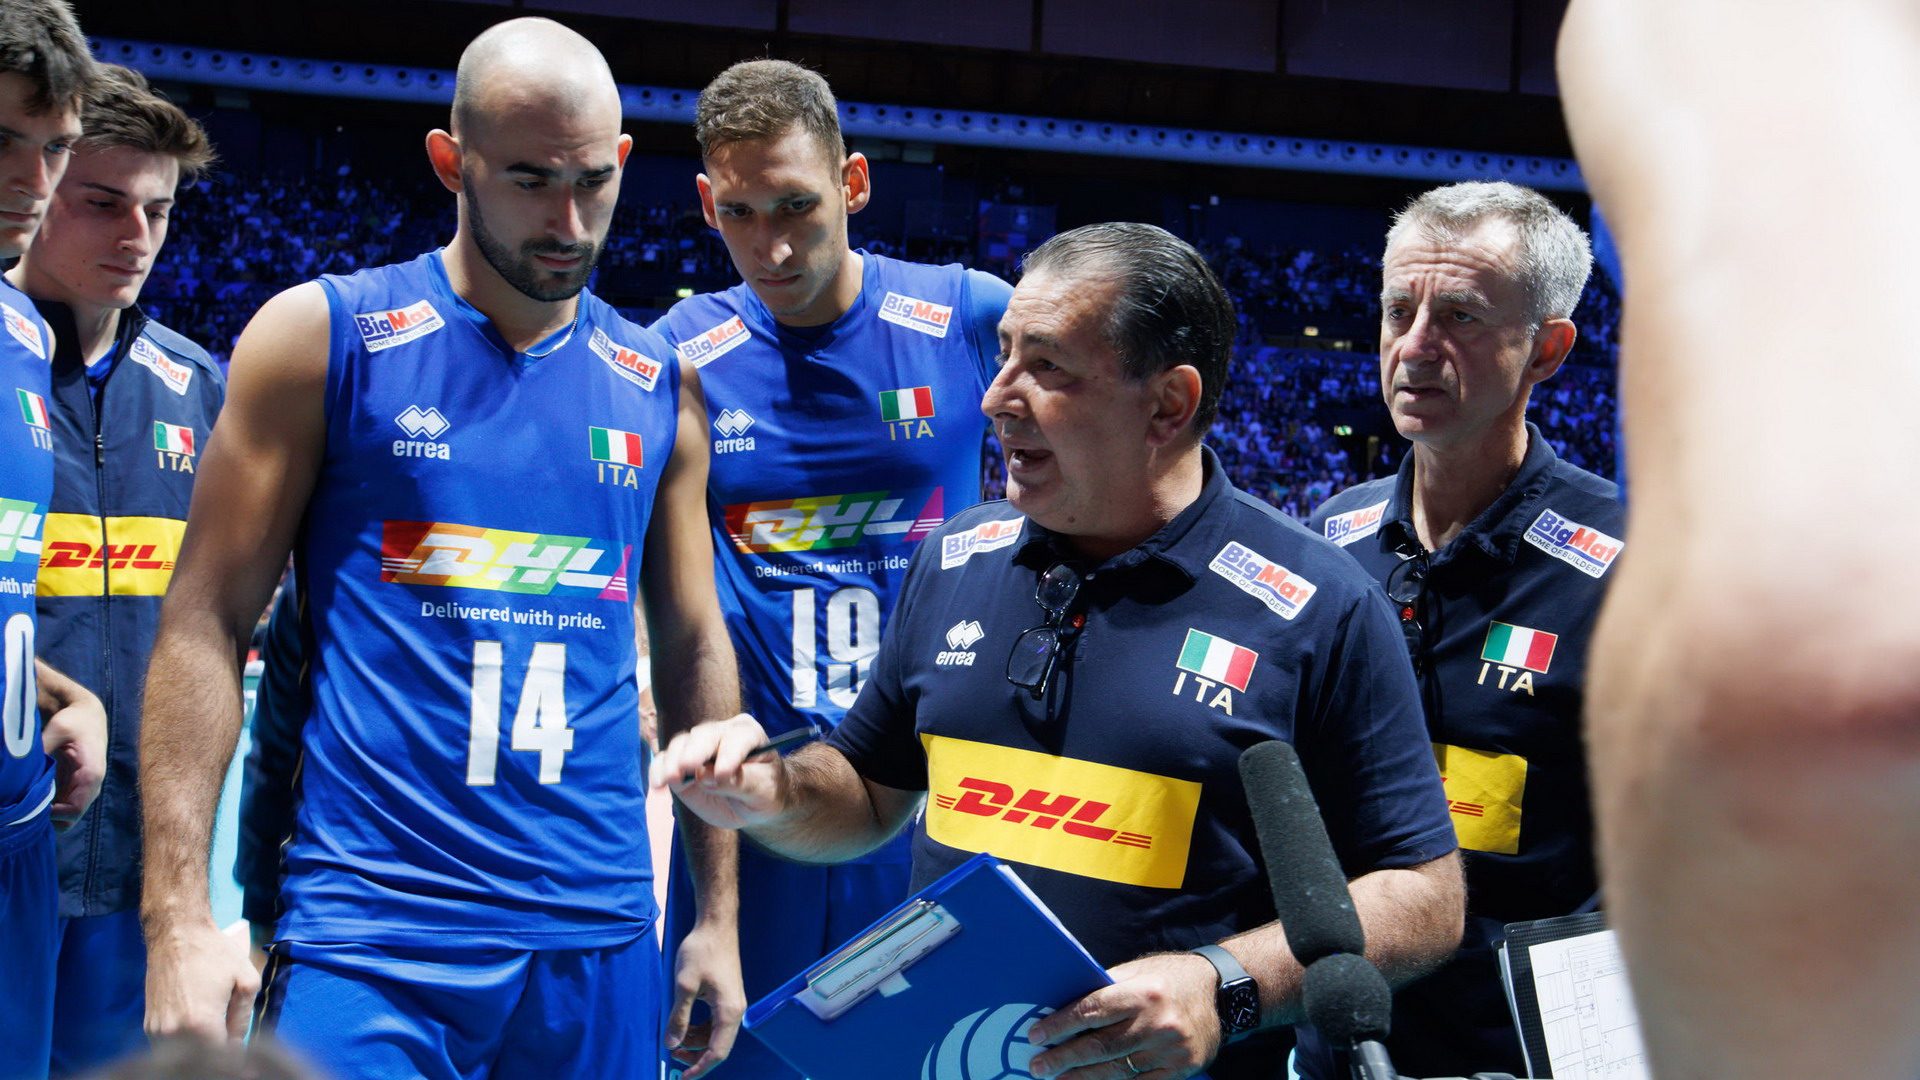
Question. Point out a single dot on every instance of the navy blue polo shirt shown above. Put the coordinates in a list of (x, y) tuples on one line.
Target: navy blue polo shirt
[(1118, 798), (1506, 613)]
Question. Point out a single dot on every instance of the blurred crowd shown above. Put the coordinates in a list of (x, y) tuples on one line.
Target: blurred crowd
[(1295, 425)]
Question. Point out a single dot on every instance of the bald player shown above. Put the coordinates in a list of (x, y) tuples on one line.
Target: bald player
[(477, 465), (1754, 705)]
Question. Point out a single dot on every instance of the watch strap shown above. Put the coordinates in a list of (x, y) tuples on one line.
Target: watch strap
[(1223, 963)]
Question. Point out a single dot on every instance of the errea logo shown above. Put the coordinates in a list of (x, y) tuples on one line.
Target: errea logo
[(960, 638), (732, 424), (424, 426)]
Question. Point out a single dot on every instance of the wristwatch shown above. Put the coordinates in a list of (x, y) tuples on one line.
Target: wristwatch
[(1237, 998)]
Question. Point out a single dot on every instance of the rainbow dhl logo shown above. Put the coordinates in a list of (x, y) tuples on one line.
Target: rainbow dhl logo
[(1587, 550), (957, 548), (640, 370), (1344, 529), (385, 329), (824, 522), (501, 560), (1283, 591), (704, 348), (922, 315), (20, 529)]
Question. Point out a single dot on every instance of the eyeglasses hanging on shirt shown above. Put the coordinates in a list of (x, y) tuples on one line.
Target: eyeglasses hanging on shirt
[(1407, 591), (1036, 652)]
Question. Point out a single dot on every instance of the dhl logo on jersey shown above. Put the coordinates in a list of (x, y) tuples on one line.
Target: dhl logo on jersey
[(117, 556), (1484, 790), (1077, 817), (501, 560), (824, 522)]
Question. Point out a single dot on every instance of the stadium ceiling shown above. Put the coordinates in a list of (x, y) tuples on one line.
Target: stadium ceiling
[(243, 70)]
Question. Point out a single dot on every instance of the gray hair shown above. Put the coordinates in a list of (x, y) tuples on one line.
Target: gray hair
[(1554, 257)]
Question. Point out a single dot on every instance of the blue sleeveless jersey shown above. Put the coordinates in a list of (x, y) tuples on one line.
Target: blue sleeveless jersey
[(472, 765), (835, 451), (26, 490)]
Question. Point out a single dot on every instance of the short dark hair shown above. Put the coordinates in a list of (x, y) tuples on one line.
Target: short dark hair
[(1169, 308), (123, 110), (41, 40), (763, 99)]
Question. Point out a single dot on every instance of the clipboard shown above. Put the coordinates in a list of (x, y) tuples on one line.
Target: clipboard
[(1549, 1004), (944, 987)]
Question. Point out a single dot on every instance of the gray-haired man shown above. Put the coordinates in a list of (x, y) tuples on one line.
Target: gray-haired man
[(1495, 554)]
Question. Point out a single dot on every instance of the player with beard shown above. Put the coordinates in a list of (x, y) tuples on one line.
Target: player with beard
[(466, 454)]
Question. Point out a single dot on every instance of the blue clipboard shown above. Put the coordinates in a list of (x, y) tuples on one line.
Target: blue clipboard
[(943, 988)]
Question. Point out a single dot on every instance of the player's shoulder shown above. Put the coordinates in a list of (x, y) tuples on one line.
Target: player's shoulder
[(702, 327), (1595, 498), (942, 281), (979, 529), (412, 275), (1355, 512), (612, 322), (1263, 550), (179, 346)]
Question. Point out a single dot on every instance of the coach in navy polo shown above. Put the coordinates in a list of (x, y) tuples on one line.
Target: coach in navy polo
[(1495, 553), (1070, 678)]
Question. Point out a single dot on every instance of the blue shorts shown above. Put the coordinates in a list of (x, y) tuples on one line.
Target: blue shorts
[(791, 914), (29, 943), (99, 992), (467, 1014)]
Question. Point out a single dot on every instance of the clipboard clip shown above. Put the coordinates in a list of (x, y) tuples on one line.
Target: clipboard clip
[(877, 959)]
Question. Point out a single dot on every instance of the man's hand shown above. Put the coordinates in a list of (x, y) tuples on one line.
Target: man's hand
[(707, 769), (706, 969), (75, 737), (1157, 1020), (199, 983)]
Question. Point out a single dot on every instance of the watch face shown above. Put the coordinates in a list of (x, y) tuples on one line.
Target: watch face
[(1240, 1005)]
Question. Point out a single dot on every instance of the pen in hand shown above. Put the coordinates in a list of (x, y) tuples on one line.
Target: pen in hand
[(780, 743)]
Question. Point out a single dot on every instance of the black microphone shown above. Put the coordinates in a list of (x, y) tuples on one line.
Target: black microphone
[(1348, 1001), (1309, 889)]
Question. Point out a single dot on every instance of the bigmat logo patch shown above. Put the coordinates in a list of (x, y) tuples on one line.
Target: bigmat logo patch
[(1078, 817)]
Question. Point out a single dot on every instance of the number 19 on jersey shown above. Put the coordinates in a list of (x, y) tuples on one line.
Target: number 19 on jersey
[(853, 637)]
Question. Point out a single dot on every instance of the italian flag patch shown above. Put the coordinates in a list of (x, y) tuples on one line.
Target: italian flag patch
[(1218, 659), (1519, 646), (33, 408), (173, 438), (912, 403), (615, 447)]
